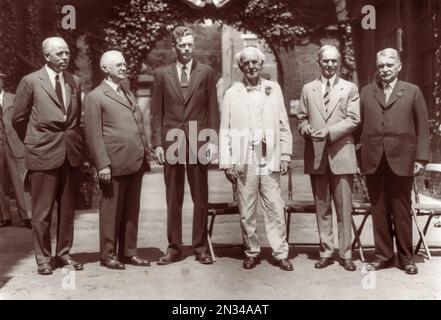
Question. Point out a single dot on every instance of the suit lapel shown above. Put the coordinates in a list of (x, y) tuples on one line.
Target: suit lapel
[(47, 86), (69, 85), (172, 75), (318, 97), (396, 93), (7, 101), (379, 95), (334, 96), (108, 91), (195, 78)]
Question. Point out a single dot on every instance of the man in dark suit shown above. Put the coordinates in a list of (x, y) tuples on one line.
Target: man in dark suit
[(47, 112), (13, 161), (394, 148), (184, 102), (117, 143)]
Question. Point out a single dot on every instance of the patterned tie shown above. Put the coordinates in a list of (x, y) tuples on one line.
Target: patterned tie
[(326, 96), (58, 91), (387, 91)]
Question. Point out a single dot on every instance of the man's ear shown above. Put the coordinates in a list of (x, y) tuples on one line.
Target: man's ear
[(104, 69), (240, 66), (46, 56)]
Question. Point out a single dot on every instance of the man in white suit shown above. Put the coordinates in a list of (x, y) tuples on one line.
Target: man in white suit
[(329, 113), (255, 147)]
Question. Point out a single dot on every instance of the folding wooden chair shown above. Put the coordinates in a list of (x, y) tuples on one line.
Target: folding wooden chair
[(421, 209), (308, 207), (220, 209)]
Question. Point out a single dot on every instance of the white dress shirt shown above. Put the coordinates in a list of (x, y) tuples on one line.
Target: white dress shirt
[(187, 71), (324, 81), (387, 92)]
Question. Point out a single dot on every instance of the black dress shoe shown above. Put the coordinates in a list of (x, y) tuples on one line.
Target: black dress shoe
[(204, 258), (26, 224), (136, 261), (169, 258), (380, 264), (64, 262), (250, 262), (6, 223), (44, 269), (323, 263), (410, 268), (112, 264), (285, 265), (348, 264)]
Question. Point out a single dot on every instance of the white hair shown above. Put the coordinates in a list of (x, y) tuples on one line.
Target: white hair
[(107, 57), (327, 47), (390, 53), (252, 50), (48, 42)]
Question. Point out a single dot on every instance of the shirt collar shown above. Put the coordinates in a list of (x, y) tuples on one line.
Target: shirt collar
[(188, 65), (250, 87), (392, 84), (112, 84), (52, 74), (331, 80)]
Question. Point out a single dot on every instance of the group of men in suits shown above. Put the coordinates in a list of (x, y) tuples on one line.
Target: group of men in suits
[(390, 124), (255, 149)]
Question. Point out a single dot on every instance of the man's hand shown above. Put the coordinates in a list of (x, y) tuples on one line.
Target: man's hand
[(159, 156), (284, 166), (306, 130), (418, 168), (212, 152), (320, 135), (104, 175), (231, 175)]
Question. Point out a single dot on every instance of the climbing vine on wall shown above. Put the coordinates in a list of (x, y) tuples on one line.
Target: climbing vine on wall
[(8, 59)]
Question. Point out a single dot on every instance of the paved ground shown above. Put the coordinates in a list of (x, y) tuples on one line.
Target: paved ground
[(223, 280)]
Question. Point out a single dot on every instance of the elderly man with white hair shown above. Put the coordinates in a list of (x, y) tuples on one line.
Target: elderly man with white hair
[(255, 148), (117, 143), (46, 116), (394, 148)]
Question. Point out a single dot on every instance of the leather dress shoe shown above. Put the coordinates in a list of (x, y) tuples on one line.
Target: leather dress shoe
[(204, 258), (410, 268), (285, 265), (380, 264), (250, 262), (44, 269), (64, 262), (169, 258), (136, 261), (5, 223), (348, 264), (112, 264), (323, 263), (26, 224)]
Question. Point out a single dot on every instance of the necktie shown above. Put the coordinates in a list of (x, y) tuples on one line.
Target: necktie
[(387, 91), (184, 78), (326, 96), (122, 94), (59, 92)]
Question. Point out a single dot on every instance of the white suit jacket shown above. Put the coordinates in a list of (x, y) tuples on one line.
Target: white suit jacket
[(235, 126)]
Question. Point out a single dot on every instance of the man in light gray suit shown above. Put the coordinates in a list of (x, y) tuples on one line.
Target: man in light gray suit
[(329, 113)]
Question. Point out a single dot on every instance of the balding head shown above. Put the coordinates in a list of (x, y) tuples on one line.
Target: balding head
[(113, 65), (56, 53)]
